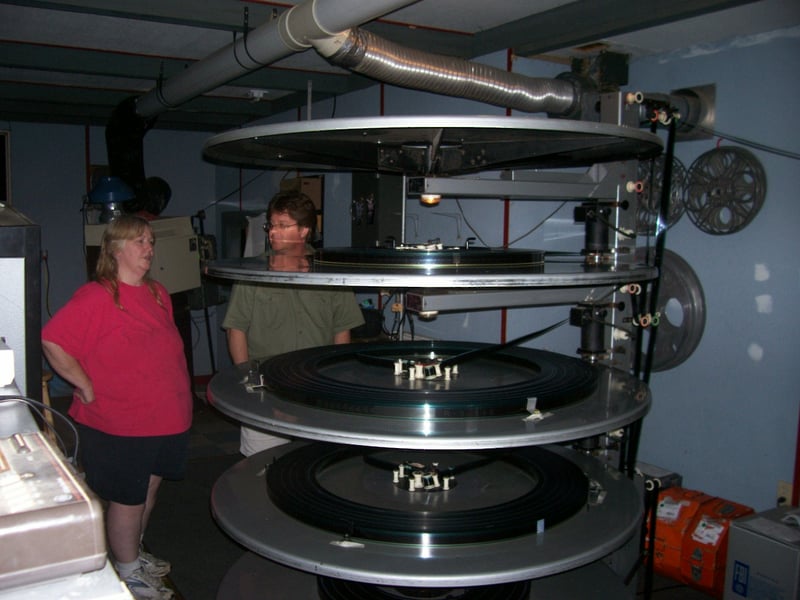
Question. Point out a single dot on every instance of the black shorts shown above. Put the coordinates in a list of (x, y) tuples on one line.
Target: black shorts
[(118, 468)]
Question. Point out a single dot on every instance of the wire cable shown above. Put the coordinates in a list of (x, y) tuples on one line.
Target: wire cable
[(538, 225), (36, 407), (750, 143), (238, 189), (468, 224)]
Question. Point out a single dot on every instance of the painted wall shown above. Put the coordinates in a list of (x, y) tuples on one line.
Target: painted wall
[(726, 419), (48, 179)]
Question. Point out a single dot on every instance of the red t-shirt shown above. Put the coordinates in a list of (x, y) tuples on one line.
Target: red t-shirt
[(134, 357)]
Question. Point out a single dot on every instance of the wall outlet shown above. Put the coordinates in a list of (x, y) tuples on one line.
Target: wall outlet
[(784, 495)]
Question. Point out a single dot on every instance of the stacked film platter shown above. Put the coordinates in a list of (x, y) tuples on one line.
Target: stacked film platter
[(526, 514), (523, 515)]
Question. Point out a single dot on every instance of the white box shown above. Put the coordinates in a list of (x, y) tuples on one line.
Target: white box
[(764, 556), (6, 364)]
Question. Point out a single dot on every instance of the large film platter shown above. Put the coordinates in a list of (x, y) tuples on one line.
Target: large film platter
[(428, 259), (244, 509), (422, 380), (342, 398), (489, 275), (430, 145), (251, 574)]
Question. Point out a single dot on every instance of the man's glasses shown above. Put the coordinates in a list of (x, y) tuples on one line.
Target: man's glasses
[(279, 226)]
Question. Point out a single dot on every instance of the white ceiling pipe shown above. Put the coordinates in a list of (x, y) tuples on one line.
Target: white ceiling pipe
[(262, 46)]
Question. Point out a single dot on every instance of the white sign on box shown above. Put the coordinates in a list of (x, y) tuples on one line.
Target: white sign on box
[(6, 364)]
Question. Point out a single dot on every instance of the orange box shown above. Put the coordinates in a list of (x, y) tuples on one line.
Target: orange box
[(677, 508), (705, 545)]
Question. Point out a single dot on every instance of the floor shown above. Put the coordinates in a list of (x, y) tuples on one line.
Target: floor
[(182, 528)]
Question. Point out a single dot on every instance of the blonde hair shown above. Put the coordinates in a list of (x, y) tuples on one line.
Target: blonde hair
[(116, 234)]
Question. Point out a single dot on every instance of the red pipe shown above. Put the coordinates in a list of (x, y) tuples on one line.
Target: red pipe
[(796, 482)]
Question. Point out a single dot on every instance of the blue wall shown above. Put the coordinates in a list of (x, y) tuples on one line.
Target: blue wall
[(726, 419)]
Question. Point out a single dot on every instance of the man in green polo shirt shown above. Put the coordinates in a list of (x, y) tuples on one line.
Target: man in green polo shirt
[(265, 320)]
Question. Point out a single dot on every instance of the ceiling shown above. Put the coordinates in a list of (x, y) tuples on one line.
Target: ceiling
[(73, 61)]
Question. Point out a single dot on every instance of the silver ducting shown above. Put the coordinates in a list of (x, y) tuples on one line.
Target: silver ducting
[(274, 40), (385, 61)]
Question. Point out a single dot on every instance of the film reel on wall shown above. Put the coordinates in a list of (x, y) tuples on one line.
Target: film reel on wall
[(651, 174), (725, 190), (681, 307)]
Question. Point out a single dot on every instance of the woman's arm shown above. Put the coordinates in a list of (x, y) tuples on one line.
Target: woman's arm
[(70, 369)]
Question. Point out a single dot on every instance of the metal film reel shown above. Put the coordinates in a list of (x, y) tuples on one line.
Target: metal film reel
[(651, 173), (610, 515), (348, 490), (725, 190), (425, 145), (252, 574), (681, 306)]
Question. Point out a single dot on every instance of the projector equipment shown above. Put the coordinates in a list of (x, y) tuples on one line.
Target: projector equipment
[(444, 269), (591, 318), (51, 524), (430, 145), (442, 469), (422, 539), (516, 397)]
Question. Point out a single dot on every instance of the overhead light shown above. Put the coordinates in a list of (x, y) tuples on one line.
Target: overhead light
[(430, 199)]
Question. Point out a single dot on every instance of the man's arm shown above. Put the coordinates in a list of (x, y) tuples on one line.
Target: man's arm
[(237, 346), (343, 337)]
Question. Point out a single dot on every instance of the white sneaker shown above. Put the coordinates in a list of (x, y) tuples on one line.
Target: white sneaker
[(143, 586), (157, 567)]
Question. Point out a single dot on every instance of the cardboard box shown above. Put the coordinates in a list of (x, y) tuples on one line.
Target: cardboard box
[(677, 508), (705, 546), (764, 556)]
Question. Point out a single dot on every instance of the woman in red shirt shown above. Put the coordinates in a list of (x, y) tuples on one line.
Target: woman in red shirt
[(116, 342)]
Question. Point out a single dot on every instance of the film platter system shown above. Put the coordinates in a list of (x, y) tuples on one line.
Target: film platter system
[(442, 469)]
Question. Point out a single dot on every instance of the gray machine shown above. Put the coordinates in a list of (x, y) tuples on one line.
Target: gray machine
[(587, 555)]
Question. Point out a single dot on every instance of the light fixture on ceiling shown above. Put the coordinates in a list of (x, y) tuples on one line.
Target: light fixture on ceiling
[(429, 199)]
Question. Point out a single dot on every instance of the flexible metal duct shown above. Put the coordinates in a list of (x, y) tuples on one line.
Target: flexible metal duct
[(365, 53), (270, 42)]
